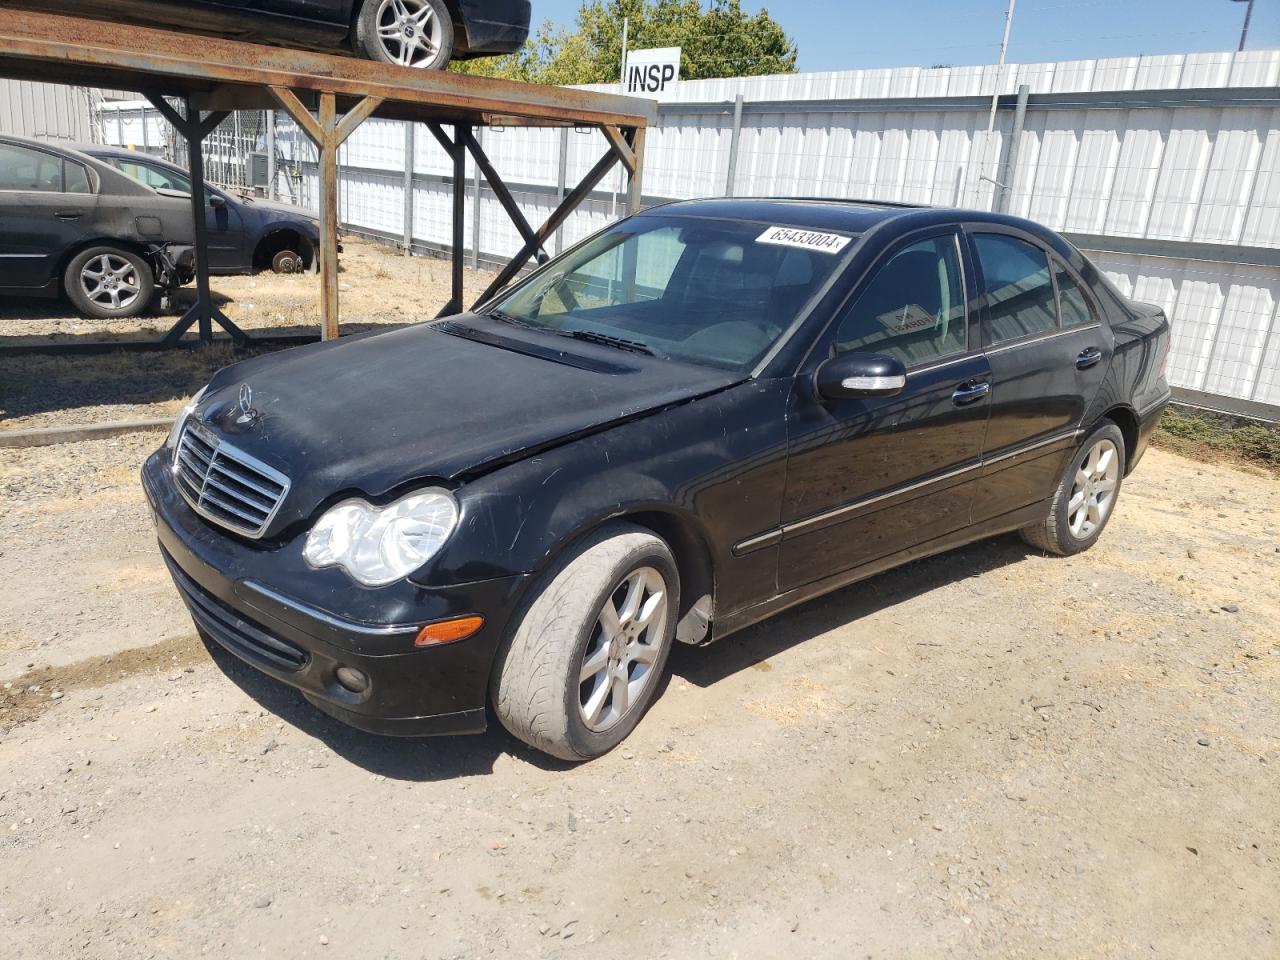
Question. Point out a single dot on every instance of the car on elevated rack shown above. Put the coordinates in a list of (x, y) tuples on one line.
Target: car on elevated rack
[(701, 416), (425, 34), (246, 233), (71, 224)]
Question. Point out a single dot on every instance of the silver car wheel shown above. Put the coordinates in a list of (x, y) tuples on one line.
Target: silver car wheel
[(625, 645), (1094, 491), (110, 281), (409, 31)]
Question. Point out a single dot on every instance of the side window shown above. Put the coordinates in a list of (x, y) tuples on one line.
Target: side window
[(1071, 302), (75, 177), (1019, 291), (23, 169), (913, 308)]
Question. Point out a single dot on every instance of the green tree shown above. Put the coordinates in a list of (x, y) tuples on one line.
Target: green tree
[(720, 41)]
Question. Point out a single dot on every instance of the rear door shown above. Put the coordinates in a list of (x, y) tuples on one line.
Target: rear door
[(869, 477), (1048, 351), (46, 206)]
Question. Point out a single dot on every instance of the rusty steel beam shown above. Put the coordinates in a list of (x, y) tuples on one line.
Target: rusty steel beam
[(570, 203), (635, 198), (71, 49), (500, 190)]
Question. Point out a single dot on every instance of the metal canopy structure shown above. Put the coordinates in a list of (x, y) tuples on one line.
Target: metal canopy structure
[(328, 97)]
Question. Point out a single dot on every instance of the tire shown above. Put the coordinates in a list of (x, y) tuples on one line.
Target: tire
[(394, 31), (1096, 472), (539, 693), (109, 283)]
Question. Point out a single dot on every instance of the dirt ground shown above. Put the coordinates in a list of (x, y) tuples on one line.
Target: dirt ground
[(989, 753), (378, 287)]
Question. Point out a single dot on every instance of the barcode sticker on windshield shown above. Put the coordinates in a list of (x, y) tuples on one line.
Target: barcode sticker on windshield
[(805, 239)]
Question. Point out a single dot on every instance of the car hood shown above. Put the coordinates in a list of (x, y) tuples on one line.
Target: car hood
[(433, 402), (282, 210)]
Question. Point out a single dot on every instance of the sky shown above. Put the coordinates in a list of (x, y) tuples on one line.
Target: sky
[(850, 34)]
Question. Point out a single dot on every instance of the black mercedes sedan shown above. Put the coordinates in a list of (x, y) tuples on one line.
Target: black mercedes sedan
[(425, 34), (697, 418)]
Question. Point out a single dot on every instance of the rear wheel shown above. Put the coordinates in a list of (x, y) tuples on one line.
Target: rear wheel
[(109, 282), (410, 33), (586, 658), (1086, 495)]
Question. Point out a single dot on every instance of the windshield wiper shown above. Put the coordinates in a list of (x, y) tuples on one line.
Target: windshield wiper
[(633, 346), (508, 318)]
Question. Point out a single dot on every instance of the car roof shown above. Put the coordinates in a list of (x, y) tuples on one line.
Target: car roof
[(847, 216)]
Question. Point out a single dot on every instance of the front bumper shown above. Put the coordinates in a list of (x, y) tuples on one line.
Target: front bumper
[(263, 605)]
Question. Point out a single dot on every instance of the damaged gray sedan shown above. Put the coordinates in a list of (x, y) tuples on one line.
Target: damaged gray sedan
[(70, 224)]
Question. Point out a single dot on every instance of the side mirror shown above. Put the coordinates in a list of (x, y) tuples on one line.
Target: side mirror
[(851, 375), (216, 201)]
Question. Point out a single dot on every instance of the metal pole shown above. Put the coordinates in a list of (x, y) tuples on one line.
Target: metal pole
[(635, 200), (328, 150), (410, 161), (562, 178), (1010, 170), (195, 167), (731, 175), (460, 133), (475, 212), (146, 139), (270, 118), (995, 95), (622, 72), (1244, 32)]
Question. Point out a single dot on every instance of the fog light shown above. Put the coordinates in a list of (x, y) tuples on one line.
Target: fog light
[(352, 679)]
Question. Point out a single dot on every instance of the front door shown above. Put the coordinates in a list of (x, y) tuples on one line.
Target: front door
[(1049, 353), (869, 477)]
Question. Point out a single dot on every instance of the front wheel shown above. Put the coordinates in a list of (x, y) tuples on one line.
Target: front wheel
[(1086, 495), (410, 33), (586, 659)]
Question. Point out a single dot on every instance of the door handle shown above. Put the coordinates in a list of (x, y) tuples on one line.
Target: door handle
[(1088, 358), (69, 214), (970, 391)]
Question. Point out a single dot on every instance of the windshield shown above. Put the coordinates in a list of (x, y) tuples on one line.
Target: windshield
[(708, 291)]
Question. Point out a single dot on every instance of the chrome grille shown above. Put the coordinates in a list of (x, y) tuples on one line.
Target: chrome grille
[(226, 485)]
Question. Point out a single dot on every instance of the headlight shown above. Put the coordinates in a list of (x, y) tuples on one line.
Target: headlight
[(181, 422), (379, 545)]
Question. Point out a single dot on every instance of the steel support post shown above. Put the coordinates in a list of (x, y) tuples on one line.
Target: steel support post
[(1009, 170), (328, 134), (562, 177), (735, 137), (475, 210), (203, 312), (410, 163)]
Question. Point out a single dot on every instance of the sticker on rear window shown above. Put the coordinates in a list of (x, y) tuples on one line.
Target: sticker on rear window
[(804, 239)]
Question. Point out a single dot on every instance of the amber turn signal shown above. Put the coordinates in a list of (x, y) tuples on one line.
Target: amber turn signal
[(448, 631)]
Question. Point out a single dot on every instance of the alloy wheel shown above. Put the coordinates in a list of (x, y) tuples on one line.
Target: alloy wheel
[(618, 664), (1093, 492), (110, 281), (409, 31)]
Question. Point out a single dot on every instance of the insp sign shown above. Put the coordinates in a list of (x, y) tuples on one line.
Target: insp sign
[(652, 72)]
